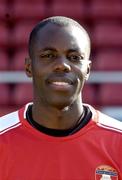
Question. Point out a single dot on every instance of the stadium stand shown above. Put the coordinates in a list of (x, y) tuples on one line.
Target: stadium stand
[(4, 61), (3, 10), (21, 34), (107, 35), (21, 94), (18, 60), (65, 8), (4, 35), (4, 94), (28, 10), (105, 9), (32, 1), (108, 61), (89, 94), (110, 94)]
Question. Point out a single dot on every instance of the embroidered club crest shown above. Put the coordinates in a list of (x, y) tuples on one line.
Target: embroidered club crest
[(105, 172)]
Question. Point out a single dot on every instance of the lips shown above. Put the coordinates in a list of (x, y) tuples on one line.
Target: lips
[(60, 83)]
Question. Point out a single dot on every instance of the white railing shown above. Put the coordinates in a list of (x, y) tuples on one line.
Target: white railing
[(95, 77)]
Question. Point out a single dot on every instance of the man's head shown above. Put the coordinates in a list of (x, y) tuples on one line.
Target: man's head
[(59, 51), (56, 20)]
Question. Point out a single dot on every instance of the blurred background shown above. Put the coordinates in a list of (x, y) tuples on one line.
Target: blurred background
[(103, 21)]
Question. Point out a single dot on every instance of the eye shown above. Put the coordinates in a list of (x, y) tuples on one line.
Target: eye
[(48, 55), (75, 58)]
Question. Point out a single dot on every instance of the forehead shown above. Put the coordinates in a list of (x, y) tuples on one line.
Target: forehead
[(56, 36)]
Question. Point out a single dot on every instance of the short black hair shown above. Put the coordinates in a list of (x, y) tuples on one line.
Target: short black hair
[(57, 20)]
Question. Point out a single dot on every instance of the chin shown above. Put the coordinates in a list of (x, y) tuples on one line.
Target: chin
[(62, 105)]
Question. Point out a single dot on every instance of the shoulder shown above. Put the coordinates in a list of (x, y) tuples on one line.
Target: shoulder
[(104, 121), (9, 121), (108, 122)]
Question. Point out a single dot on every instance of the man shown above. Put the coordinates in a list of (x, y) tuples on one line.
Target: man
[(57, 137)]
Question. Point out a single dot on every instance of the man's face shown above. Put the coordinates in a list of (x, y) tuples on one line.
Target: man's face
[(59, 65)]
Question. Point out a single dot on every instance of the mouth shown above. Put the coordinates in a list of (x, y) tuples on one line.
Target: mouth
[(60, 83)]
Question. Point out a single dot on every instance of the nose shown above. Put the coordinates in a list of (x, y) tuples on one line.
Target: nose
[(62, 65)]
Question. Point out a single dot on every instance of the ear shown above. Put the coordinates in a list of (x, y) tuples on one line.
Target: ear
[(88, 70), (28, 67)]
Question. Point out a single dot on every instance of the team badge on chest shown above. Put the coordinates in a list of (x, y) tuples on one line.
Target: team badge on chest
[(105, 172)]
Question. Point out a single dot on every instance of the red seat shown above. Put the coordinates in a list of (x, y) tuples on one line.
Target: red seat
[(89, 94), (28, 10), (4, 94), (110, 94), (21, 34), (22, 94), (3, 10), (19, 60), (70, 9), (4, 61), (28, 1), (105, 9), (7, 109), (107, 35), (69, 1), (3, 35), (110, 60)]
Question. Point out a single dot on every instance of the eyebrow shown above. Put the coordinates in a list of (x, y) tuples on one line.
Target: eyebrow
[(48, 49), (54, 49), (74, 50)]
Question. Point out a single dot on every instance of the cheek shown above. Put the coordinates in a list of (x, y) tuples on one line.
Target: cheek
[(37, 75), (81, 72), (37, 69)]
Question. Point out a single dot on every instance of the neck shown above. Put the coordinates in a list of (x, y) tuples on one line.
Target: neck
[(54, 118)]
